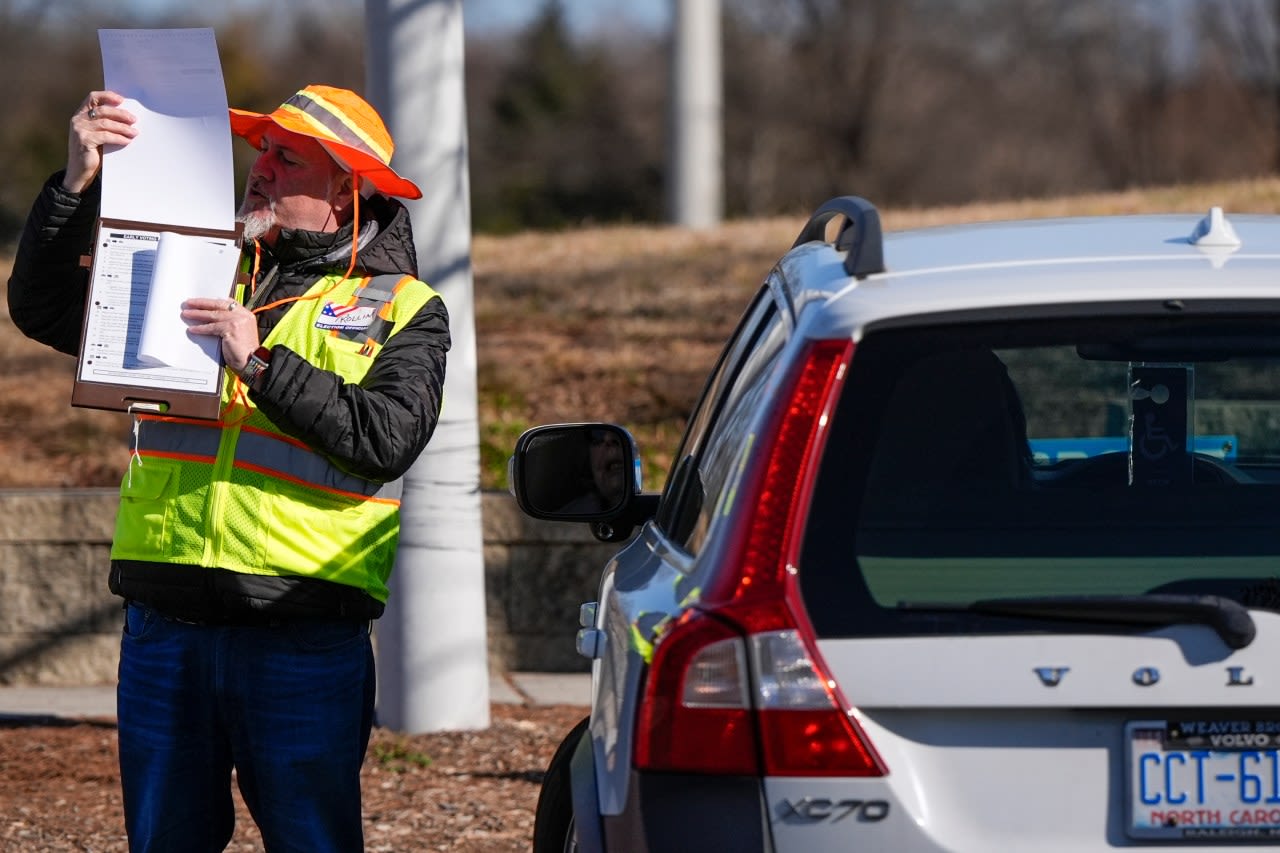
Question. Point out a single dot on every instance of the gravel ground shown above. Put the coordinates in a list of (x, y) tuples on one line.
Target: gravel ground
[(464, 792)]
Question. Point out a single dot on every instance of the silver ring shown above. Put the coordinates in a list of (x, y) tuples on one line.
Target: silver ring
[(231, 306), (93, 113)]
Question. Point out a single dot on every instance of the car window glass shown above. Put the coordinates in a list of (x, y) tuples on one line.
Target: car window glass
[(683, 496), (1071, 457), (728, 438)]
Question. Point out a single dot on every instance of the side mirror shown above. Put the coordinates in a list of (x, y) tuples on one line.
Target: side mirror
[(575, 472)]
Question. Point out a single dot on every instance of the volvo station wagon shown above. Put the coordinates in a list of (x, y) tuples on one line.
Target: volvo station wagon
[(972, 544)]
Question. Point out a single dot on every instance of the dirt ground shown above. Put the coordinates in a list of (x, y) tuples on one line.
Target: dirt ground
[(464, 792)]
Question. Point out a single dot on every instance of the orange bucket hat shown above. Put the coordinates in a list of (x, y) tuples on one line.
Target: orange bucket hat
[(346, 125)]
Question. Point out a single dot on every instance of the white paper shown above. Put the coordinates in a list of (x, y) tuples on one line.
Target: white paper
[(185, 266), (178, 170), (122, 274), (175, 174)]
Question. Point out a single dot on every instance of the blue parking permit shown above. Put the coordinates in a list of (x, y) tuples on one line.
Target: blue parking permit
[(1050, 450), (1159, 425)]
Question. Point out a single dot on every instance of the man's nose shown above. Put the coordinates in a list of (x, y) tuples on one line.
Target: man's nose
[(264, 165)]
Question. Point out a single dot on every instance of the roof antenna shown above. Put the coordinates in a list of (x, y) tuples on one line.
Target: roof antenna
[(1214, 231)]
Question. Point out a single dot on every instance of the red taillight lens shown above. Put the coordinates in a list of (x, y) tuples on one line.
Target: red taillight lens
[(772, 709), (814, 743), (773, 486), (717, 702), (695, 716), (804, 726)]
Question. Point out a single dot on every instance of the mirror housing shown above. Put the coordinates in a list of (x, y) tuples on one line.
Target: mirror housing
[(581, 472)]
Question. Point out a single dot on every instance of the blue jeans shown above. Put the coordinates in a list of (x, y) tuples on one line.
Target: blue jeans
[(290, 707)]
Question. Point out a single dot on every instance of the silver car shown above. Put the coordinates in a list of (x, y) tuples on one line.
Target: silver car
[(972, 544)]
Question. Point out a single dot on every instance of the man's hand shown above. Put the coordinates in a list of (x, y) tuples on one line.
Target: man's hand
[(228, 320), (99, 121)]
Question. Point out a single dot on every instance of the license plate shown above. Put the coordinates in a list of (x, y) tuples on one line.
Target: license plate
[(1197, 779)]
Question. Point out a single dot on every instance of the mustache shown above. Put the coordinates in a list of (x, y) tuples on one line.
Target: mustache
[(255, 199)]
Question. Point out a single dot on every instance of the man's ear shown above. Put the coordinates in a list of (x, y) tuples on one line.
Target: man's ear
[(341, 190)]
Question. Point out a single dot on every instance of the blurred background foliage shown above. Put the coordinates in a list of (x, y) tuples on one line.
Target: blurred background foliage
[(937, 110), (912, 103)]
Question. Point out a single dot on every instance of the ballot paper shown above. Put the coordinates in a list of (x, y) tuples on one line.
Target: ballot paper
[(167, 229), (185, 265), (179, 168)]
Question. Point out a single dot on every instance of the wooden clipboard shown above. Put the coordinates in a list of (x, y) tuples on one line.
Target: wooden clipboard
[(113, 388)]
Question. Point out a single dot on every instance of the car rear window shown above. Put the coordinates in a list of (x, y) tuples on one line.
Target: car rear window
[(1067, 457)]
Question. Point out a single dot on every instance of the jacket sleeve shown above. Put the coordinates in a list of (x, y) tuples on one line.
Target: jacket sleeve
[(375, 429), (47, 286)]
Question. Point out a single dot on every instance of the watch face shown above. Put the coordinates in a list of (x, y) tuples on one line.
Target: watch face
[(253, 368)]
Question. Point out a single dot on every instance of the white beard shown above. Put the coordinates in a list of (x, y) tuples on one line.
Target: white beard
[(257, 221)]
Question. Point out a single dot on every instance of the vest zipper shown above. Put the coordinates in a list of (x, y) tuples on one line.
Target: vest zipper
[(219, 484)]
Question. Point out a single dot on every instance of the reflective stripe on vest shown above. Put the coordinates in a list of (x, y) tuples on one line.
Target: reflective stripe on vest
[(242, 495), (376, 293), (275, 456)]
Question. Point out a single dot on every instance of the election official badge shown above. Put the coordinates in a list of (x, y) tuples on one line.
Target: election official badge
[(345, 316)]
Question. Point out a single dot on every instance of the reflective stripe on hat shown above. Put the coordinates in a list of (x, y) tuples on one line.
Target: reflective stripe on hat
[(345, 124), (329, 121)]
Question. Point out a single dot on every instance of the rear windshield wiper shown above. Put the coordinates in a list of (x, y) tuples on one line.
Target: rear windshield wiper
[(1229, 618)]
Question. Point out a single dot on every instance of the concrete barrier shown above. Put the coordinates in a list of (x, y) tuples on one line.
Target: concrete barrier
[(60, 626)]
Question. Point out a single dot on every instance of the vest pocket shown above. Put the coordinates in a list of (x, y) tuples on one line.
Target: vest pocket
[(143, 520), (344, 358)]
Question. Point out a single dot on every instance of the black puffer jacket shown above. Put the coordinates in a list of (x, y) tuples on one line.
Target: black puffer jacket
[(375, 429)]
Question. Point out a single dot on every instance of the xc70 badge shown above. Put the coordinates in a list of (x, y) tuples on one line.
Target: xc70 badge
[(819, 809), (1143, 676)]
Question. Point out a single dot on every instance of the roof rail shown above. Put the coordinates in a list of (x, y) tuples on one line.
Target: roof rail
[(860, 235)]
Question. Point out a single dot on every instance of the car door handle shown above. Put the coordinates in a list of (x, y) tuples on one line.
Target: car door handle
[(591, 643)]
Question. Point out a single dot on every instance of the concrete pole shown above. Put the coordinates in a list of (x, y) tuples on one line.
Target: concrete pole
[(432, 641), (696, 170)]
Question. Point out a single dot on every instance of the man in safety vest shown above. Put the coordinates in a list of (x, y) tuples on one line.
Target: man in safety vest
[(252, 552)]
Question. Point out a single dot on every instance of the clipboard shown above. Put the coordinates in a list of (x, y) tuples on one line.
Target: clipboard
[(108, 373)]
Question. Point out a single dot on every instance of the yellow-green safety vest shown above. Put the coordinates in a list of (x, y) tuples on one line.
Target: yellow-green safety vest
[(239, 494)]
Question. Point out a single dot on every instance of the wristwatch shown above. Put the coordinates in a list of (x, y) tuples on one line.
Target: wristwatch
[(251, 373)]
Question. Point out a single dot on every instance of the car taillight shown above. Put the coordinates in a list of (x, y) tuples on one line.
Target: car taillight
[(734, 686), (696, 715), (719, 702), (804, 728)]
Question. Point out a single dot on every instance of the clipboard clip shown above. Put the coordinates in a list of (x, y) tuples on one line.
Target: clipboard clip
[(145, 407), (109, 392)]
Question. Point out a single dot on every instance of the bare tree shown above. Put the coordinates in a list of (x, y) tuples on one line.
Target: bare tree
[(1240, 42)]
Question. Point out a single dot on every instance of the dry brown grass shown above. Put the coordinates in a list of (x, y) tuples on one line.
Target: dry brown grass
[(611, 323), (43, 440)]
